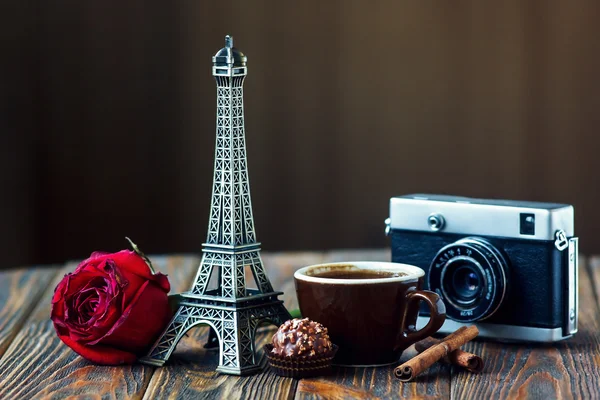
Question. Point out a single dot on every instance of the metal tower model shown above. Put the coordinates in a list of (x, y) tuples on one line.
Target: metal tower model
[(230, 309)]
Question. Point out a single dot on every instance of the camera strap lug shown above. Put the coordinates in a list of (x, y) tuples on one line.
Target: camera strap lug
[(561, 241), (388, 226)]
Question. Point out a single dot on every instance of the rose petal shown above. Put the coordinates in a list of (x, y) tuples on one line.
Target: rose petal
[(86, 306), (99, 325), (99, 354), (97, 254), (94, 283), (142, 322), (131, 263), (57, 312), (79, 281), (111, 307), (163, 281), (60, 289)]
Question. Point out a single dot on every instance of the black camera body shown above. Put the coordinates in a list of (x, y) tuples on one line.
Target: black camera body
[(508, 267)]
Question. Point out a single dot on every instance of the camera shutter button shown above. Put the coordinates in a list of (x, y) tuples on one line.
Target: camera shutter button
[(436, 222)]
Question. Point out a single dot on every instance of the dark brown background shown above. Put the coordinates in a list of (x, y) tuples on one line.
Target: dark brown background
[(107, 117)]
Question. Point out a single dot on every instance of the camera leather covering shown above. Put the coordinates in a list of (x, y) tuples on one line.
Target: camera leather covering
[(537, 276)]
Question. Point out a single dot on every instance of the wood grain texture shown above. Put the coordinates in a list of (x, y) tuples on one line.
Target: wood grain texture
[(569, 369), (281, 266), (380, 383), (38, 365), (20, 291), (191, 373), (594, 271)]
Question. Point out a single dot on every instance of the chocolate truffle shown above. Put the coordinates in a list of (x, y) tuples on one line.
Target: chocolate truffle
[(301, 337)]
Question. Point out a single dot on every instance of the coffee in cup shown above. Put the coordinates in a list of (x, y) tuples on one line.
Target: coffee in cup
[(369, 308)]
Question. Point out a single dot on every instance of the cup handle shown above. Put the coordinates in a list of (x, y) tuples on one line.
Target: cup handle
[(437, 312)]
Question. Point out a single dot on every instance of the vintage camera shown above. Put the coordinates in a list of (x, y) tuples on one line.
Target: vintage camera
[(509, 267)]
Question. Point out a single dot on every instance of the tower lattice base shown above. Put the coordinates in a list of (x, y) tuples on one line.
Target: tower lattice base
[(234, 323)]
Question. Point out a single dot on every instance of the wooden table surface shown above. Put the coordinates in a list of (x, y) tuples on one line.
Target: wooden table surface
[(35, 364)]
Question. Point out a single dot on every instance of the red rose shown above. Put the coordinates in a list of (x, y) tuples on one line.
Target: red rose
[(111, 308)]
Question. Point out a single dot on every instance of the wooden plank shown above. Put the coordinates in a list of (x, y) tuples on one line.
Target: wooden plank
[(20, 291), (594, 271), (38, 365), (281, 266), (569, 369), (368, 383), (191, 370), (191, 373)]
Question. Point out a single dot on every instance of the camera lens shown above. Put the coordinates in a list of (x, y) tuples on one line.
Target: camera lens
[(465, 283), (470, 275)]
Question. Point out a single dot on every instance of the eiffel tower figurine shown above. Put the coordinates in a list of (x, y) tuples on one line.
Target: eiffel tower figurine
[(231, 310)]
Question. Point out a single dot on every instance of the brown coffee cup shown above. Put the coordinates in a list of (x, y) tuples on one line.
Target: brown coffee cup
[(369, 308)]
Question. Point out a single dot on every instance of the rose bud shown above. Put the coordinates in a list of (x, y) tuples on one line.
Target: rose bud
[(112, 308)]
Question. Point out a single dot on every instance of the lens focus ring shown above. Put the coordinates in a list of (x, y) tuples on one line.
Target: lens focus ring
[(470, 275)]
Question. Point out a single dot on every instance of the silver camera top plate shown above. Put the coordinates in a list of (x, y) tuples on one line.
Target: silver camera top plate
[(481, 217)]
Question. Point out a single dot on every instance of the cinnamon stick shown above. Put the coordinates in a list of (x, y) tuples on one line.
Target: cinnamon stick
[(469, 361), (426, 359)]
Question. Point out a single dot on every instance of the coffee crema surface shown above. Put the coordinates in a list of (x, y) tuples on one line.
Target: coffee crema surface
[(358, 274)]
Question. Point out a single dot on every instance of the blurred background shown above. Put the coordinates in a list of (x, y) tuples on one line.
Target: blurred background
[(107, 117)]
